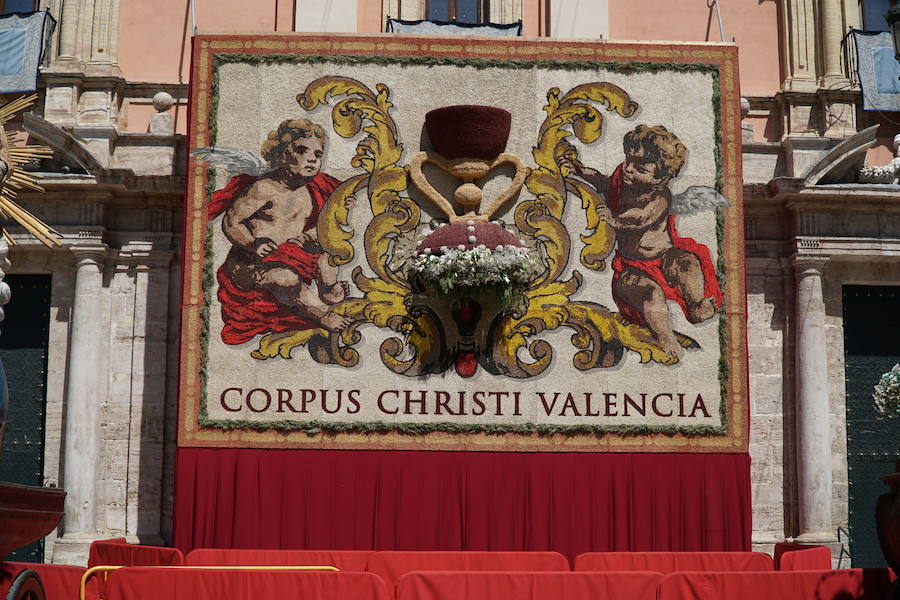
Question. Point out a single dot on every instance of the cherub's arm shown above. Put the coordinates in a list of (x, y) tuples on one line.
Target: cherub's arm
[(638, 217), (593, 177), (235, 223)]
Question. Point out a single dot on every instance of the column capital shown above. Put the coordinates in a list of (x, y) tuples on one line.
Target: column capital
[(805, 264), (87, 254)]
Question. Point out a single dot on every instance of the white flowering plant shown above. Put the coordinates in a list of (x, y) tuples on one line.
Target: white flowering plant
[(454, 272), (887, 393)]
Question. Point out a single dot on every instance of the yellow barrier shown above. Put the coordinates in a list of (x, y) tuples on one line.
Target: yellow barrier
[(105, 569)]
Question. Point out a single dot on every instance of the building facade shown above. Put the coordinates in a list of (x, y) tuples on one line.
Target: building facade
[(113, 107)]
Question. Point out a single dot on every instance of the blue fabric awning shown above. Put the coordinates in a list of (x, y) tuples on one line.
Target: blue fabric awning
[(452, 28), (878, 70), (23, 40)]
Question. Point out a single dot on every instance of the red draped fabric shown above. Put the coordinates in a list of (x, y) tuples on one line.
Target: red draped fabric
[(61, 582), (345, 560), (808, 559), (431, 585), (391, 566), (848, 584), (670, 562), (410, 500), (116, 553), (247, 313), (148, 583), (782, 548)]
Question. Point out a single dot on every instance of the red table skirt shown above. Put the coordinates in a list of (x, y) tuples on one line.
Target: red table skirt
[(390, 566), (670, 562), (432, 585), (116, 552), (148, 583), (61, 582), (820, 558), (345, 560), (849, 584)]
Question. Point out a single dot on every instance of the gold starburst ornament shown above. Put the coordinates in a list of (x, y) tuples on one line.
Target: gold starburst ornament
[(15, 179)]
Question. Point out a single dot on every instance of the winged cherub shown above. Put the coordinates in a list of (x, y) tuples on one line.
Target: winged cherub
[(270, 214), (653, 263)]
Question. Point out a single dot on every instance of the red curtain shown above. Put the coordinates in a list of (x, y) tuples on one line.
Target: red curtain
[(407, 500)]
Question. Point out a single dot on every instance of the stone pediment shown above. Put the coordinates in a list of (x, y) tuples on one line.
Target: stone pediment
[(69, 155), (841, 163)]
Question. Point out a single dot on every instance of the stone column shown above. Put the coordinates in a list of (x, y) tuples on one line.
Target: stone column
[(800, 41), (105, 32), (68, 29), (833, 31), (813, 408), (82, 409)]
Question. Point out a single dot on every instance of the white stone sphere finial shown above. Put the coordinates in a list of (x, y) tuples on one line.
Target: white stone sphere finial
[(897, 145), (745, 107), (163, 101)]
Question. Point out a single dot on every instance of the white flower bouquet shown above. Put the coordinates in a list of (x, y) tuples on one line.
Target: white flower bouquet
[(506, 270), (887, 394)]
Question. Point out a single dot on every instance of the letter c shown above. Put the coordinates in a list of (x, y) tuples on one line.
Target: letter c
[(656, 409), (222, 399), (381, 406)]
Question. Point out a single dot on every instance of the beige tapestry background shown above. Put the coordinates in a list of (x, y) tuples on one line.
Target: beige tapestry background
[(300, 386)]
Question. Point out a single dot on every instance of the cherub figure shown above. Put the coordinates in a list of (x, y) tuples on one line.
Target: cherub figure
[(266, 282), (653, 263)]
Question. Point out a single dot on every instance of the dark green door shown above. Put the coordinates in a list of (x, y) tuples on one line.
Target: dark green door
[(23, 350), (871, 347)]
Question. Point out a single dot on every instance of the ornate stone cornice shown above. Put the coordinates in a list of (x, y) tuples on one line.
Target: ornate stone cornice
[(817, 94), (794, 195), (112, 183)]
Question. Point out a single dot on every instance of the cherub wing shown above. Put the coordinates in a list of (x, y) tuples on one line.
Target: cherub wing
[(233, 160), (697, 198)]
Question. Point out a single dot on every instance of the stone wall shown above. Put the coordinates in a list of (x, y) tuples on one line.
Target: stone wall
[(853, 232), (771, 382), (135, 233)]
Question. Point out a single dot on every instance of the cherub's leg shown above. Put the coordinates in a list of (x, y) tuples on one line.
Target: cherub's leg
[(682, 270), (286, 285), (647, 297), (331, 291), (242, 274)]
